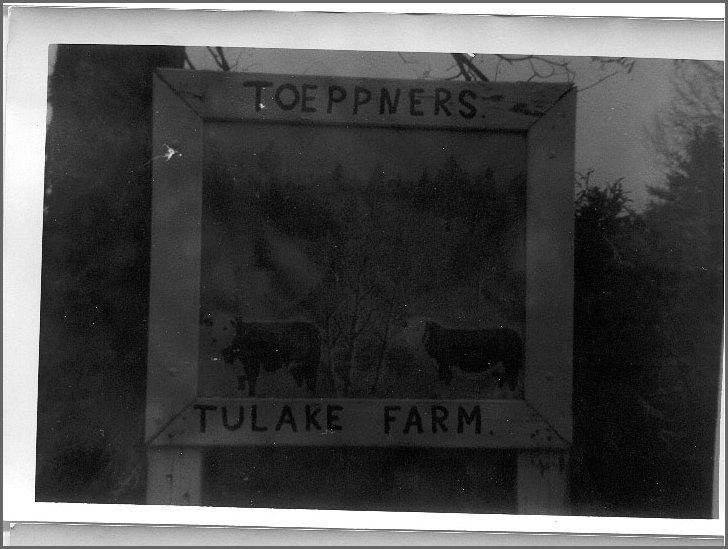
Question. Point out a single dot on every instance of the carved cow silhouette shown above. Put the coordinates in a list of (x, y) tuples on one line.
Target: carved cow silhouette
[(272, 346), (474, 351)]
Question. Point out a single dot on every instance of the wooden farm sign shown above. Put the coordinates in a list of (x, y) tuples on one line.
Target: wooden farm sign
[(360, 262)]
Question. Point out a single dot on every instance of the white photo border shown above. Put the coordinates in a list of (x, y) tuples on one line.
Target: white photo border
[(32, 30)]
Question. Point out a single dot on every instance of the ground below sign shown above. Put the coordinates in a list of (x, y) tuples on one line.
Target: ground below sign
[(444, 480)]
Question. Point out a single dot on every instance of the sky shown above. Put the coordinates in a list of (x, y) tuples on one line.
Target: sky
[(612, 116)]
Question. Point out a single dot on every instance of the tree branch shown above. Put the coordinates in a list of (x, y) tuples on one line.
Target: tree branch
[(590, 86), (465, 62), (219, 56), (187, 60)]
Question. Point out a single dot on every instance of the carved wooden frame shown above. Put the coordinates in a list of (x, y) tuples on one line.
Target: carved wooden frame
[(538, 427)]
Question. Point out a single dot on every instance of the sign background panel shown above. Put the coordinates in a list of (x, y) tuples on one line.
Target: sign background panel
[(301, 221)]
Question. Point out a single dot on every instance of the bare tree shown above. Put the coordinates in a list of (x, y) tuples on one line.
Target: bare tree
[(361, 299), (390, 312), (698, 102), (472, 67), (218, 54), (354, 316)]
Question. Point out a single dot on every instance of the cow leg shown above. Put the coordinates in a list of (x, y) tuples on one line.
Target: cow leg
[(252, 368), (445, 373), (241, 383), (513, 367), (500, 376), (512, 375), (297, 372), (310, 374)]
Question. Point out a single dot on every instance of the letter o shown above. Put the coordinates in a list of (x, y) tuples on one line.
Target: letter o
[(279, 92)]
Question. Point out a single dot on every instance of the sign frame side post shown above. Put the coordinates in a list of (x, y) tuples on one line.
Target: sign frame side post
[(174, 473), (543, 475)]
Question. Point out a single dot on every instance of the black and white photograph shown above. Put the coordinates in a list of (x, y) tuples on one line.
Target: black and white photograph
[(484, 282)]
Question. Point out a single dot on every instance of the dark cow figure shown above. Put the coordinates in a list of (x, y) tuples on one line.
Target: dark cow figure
[(474, 351), (272, 345)]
